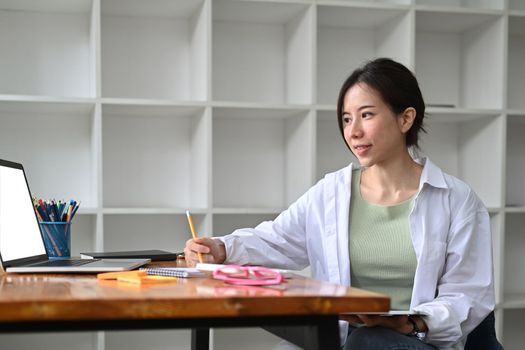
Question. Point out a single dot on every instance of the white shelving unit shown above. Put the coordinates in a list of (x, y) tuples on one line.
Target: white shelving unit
[(142, 110), (465, 4), (155, 49), (148, 146), (516, 77), (349, 34), (515, 193), (516, 5), (48, 48), (454, 141), (262, 51), (259, 158), (460, 44)]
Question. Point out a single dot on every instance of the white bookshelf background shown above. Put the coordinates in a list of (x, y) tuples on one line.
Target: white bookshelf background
[(142, 110)]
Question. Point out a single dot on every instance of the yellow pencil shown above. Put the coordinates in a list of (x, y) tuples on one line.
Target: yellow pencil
[(192, 228)]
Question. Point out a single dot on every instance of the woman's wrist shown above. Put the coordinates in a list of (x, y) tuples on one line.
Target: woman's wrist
[(409, 327), (221, 251), (418, 325)]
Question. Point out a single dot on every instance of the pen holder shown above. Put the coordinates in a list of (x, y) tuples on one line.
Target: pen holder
[(57, 239)]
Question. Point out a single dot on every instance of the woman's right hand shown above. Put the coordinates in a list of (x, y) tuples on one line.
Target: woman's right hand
[(212, 251)]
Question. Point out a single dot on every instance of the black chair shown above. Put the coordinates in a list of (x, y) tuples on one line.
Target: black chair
[(483, 337)]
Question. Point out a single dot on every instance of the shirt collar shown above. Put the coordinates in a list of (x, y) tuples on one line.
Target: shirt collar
[(431, 174)]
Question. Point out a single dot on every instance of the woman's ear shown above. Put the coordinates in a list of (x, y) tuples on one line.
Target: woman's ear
[(406, 119)]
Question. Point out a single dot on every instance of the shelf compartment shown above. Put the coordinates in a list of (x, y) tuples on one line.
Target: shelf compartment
[(520, 209), (262, 52), (463, 4), (47, 48), (247, 211), (155, 156), (143, 231), (367, 3), (224, 224), (348, 36), (513, 321), (514, 301), (152, 211), (53, 340), (55, 143), (498, 243), (142, 339), (516, 63), (456, 54), (515, 192), (517, 5), (157, 49), (514, 259), (454, 141), (83, 234), (332, 153), (243, 338), (259, 157)]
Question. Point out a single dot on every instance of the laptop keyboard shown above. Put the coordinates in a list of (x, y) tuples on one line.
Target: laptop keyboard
[(64, 263)]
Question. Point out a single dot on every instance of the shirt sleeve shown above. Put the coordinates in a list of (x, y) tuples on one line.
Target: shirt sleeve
[(465, 291), (280, 243)]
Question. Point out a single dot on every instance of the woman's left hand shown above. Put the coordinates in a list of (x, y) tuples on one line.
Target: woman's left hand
[(397, 323)]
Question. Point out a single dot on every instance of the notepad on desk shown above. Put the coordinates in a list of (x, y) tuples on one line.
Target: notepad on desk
[(184, 272), (153, 254)]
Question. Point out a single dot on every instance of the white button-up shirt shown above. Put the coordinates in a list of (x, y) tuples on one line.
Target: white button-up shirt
[(450, 230)]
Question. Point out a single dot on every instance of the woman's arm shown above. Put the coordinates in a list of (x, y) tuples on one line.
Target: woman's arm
[(278, 243)]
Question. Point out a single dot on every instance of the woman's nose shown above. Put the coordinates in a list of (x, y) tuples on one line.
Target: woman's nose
[(356, 129)]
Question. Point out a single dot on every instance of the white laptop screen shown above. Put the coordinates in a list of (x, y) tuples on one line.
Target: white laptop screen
[(19, 232)]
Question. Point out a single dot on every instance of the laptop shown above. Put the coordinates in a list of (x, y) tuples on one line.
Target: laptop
[(22, 246)]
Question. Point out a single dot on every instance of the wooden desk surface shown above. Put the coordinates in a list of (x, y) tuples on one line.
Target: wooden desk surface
[(46, 297)]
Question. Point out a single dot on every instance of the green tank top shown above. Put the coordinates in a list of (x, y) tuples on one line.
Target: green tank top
[(382, 257)]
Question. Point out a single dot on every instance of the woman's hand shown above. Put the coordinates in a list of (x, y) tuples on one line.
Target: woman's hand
[(211, 250), (399, 324)]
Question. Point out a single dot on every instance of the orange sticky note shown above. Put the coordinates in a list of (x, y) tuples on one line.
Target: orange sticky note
[(145, 279), (115, 275)]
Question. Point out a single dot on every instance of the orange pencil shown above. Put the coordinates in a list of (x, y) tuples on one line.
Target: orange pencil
[(69, 210), (192, 228)]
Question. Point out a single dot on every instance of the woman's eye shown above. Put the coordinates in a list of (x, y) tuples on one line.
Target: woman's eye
[(366, 114), (346, 120)]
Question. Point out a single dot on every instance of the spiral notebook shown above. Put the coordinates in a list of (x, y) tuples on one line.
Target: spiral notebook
[(184, 272)]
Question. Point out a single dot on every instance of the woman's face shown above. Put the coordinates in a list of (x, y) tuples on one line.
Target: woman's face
[(371, 129)]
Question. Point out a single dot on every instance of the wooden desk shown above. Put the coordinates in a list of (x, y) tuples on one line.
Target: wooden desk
[(32, 302)]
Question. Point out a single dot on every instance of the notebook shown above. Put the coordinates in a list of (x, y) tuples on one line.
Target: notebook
[(153, 254), (22, 246), (184, 272)]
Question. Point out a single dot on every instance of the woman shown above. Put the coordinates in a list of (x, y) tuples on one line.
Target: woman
[(393, 224)]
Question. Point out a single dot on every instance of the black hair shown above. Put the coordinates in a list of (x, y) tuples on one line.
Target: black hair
[(396, 85)]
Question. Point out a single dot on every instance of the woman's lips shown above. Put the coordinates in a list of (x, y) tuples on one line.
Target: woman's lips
[(361, 150)]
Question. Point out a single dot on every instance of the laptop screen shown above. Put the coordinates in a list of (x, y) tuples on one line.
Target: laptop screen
[(19, 230)]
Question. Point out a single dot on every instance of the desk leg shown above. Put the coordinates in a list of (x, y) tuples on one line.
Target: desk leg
[(200, 338), (323, 335)]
